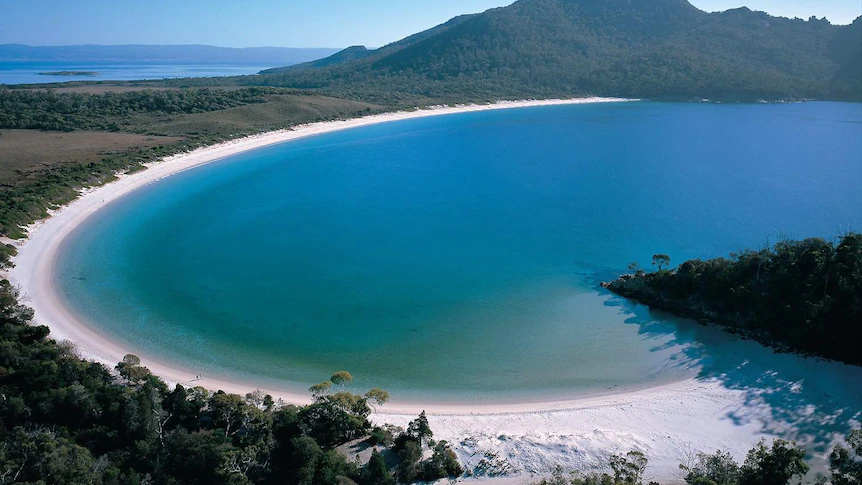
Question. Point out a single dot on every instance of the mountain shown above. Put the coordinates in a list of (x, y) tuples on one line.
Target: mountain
[(341, 57), (163, 53), (360, 52), (662, 49)]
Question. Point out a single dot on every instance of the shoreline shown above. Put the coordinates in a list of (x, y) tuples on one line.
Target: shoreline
[(666, 421), (38, 252)]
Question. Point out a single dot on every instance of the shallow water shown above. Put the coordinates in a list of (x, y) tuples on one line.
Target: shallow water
[(458, 257)]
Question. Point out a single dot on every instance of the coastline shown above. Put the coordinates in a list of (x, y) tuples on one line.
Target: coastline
[(38, 253), (667, 422)]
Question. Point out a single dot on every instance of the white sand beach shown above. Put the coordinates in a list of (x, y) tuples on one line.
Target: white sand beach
[(730, 406)]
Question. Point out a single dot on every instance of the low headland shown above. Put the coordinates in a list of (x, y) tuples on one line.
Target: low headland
[(799, 296), (697, 414), (70, 73)]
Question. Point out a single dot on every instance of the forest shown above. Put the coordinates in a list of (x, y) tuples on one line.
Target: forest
[(47, 110), (803, 296)]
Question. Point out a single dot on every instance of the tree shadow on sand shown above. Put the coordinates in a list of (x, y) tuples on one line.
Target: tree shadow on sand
[(809, 400)]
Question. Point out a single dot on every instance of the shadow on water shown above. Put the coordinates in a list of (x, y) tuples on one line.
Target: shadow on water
[(809, 400)]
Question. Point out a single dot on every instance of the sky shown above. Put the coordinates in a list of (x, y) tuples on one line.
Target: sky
[(286, 23)]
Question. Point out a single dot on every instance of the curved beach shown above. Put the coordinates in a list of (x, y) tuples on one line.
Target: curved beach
[(37, 255), (667, 422)]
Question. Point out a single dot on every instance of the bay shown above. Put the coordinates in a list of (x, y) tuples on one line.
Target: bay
[(458, 257)]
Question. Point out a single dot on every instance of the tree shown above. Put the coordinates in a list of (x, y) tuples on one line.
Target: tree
[(775, 466), (629, 469), (377, 395), (717, 469), (846, 465), (341, 378), (318, 390), (130, 368), (376, 472), (336, 419), (660, 260), (443, 463), (228, 412), (409, 454), (419, 428)]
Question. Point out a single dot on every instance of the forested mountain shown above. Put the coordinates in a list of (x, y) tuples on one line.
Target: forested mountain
[(647, 48), (360, 52)]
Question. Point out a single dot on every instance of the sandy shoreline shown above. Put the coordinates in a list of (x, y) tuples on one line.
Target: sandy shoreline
[(666, 422), (37, 255)]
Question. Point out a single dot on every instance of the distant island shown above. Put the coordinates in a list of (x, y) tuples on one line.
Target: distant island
[(70, 73), (802, 296)]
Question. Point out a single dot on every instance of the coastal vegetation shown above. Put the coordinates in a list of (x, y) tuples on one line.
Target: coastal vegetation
[(804, 296), (46, 110), (66, 420), (781, 463)]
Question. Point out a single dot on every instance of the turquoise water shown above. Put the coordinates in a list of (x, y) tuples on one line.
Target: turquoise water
[(458, 257)]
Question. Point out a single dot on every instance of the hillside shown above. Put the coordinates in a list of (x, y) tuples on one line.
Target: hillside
[(664, 49)]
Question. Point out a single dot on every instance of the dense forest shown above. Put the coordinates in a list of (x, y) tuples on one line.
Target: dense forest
[(47, 110), (658, 49), (805, 296), (64, 420)]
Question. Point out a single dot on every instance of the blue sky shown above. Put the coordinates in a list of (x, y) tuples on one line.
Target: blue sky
[(291, 23)]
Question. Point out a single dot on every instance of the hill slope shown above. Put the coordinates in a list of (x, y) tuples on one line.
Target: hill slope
[(646, 48)]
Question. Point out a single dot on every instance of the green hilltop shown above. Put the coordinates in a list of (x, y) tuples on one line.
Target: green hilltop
[(659, 49)]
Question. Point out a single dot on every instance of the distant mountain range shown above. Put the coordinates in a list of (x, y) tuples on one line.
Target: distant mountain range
[(635, 48), (164, 53)]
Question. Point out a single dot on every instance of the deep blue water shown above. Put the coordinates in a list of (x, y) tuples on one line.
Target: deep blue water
[(27, 72), (459, 256)]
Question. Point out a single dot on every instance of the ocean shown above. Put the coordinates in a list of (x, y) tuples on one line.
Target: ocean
[(459, 257), (28, 72)]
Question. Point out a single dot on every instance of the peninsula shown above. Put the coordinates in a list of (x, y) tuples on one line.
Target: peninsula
[(70, 73)]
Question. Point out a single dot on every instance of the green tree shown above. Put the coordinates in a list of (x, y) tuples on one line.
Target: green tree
[(318, 390), (629, 469), (336, 419), (773, 466), (660, 261), (442, 464), (341, 378), (419, 429), (229, 412), (846, 465), (378, 396), (718, 468), (409, 453), (376, 472)]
